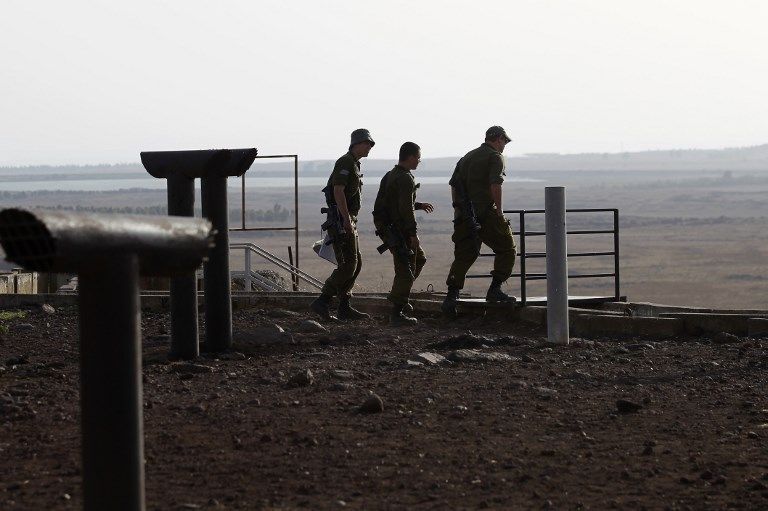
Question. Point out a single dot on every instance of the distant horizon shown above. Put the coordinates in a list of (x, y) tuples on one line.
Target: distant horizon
[(507, 154)]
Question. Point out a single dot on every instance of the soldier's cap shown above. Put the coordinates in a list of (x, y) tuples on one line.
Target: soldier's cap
[(496, 132), (361, 135)]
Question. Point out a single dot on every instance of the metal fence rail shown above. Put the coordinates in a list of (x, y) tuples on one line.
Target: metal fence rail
[(296, 273), (524, 255)]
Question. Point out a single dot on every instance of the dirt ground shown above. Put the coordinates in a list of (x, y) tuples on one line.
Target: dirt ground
[(541, 429)]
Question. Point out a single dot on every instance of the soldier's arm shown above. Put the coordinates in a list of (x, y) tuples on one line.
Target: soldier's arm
[(496, 196), (496, 176), (341, 202), (405, 206)]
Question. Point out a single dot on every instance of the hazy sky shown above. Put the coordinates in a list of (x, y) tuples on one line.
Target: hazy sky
[(99, 81)]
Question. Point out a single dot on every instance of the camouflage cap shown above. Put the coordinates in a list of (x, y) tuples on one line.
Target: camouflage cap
[(361, 135), (495, 132)]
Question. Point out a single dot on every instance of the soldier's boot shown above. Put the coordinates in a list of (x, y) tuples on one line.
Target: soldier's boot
[(449, 304), (346, 311), (496, 295), (397, 318), (322, 307)]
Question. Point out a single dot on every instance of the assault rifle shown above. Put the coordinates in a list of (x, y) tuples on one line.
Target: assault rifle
[(393, 239), (333, 224), (467, 210)]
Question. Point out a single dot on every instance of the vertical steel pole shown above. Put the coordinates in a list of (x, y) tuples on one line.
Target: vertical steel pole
[(184, 332), (523, 280), (110, 379), (218, 289), (557, 265), (242, 200), (616, 280), (296, 208), (247, 267)]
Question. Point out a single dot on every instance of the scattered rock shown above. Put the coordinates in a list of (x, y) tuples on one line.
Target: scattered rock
[(752, 434), (626, 406), (464, 355), (725, 338), (412, 364), (545, 393), (196, 409), (463, 341), (342, 374), (428, 357), (17, 360), (302, 378), (23, 327), (374, 404), (232, 355), (48, 309), (273, 334), (640, 346), (341, 387), (310, 326), (190, 368)]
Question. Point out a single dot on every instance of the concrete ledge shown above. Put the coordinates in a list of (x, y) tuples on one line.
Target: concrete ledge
[(710, 323), (586, 325)]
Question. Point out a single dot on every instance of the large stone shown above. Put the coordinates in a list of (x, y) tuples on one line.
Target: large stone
[(479, 356), (310, 326), (428, 357), (302, 378), (374, 404)]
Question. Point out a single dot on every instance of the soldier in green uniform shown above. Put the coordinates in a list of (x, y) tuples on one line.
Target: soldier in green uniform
[(395, 221), (343, 192), (476, 185)]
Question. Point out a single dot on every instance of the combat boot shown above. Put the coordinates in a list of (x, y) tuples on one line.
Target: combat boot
[(346, 311), (449, 304), (397, 318), (322, 307), (496, 295)]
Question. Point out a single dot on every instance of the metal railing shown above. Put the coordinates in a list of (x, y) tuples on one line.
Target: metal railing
[(296, 273), (294, 228), (524, 255)]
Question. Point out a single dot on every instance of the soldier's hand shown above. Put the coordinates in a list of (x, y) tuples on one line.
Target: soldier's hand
[(414, 242), (348, 225), (426, 206)]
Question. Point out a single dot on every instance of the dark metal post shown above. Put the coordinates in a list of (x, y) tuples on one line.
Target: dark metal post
[(184, 332), (294, 280), (296, 210), (616, 280), (110, 379), (218, 290), (242, 200), (523, 293)]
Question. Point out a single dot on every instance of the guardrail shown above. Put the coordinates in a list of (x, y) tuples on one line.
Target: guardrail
[(296, 274), (524, 255)]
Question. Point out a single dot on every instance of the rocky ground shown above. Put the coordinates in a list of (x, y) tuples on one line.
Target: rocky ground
[(289, 419)]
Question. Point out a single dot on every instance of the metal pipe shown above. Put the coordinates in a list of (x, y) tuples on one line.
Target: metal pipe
[(523, 256), (247, 265), (557, 265), (185, 338), (616, 281), (296, 210), (110, 383), (218, 288)]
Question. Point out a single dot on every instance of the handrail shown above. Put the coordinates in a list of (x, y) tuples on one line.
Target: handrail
[(282, 264)]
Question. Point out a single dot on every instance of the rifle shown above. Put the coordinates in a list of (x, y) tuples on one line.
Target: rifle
[(393, 239), (333, 224), (467, 209)]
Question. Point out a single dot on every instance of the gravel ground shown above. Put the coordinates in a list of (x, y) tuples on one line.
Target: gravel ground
[(288, 419)]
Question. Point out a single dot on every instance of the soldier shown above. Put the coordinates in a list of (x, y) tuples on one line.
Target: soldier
[(478, 218), (393, 216), (343, 193)]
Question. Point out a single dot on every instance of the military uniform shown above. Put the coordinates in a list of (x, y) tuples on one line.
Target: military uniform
[(477, 170), (397, 200), (346, 172)]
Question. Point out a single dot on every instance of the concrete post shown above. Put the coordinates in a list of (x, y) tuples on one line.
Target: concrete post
[(557, 265)]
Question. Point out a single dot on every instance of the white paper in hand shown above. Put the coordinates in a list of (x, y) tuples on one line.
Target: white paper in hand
[(325, 250)]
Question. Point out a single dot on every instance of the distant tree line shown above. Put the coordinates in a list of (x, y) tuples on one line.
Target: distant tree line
[(276, 214)]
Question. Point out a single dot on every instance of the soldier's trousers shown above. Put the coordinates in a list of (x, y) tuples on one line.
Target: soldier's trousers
[(496, 233), (403, 282), (347, 251)]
